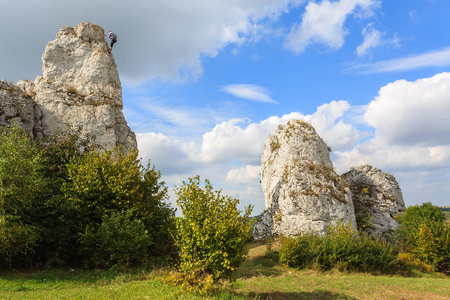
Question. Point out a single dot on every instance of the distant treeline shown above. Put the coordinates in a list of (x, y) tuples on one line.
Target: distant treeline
[(444, 208)]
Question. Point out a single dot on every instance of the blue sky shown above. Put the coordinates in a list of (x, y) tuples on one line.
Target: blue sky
[(205, 82)]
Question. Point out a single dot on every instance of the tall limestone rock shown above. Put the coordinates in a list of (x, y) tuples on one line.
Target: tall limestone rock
[(80, 86), (377, 198), (302, 191)]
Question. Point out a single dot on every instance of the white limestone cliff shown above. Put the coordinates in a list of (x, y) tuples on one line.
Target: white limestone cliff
[(79, 86)]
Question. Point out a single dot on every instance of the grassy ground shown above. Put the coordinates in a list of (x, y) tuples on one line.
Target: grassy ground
[(260, 277)]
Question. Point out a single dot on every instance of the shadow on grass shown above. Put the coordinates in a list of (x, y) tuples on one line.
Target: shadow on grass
[(260, 265), (316, 295), (70, 275)]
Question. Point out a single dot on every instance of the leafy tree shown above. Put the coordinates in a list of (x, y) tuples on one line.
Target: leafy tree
[(425, 235), (211, 236), (103, 184), (22, 185)]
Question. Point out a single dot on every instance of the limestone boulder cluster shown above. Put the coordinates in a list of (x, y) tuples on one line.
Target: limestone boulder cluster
[(79, 86), (377, 198), (303, 194)]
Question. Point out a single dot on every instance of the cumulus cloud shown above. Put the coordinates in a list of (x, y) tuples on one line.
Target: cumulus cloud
[(407, 112), (164, 39), (169, 155), (411, 130), (323, 23), (249, 91), (436, 58), (247, 175)]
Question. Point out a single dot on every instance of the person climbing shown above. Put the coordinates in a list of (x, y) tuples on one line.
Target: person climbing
[(113, 38)]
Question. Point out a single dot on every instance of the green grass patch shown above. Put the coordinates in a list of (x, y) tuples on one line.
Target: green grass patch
[(260, 277)]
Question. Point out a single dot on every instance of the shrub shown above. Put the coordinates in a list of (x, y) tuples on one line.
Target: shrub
[(16, 242), (341, 249), (120, 241), (211, 236), (425, 235), (103, 184)]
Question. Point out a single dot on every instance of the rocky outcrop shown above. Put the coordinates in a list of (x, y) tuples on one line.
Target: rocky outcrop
[(15, 104), (377, 198), (303, 193), (79, 85)]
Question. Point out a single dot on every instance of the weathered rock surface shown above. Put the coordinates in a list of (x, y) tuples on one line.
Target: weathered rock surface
[(377, 198), (302, 191), (18, 105), (80, 86)]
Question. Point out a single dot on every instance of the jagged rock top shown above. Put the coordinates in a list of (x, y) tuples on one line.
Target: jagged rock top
[(78, 61)]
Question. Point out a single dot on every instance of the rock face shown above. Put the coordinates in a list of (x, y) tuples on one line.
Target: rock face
[(80, 86), (377, 198), (302, 191), (17, 105)]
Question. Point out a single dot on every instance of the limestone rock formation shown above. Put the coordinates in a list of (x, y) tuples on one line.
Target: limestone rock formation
[(17, 105), (302, 191), (377, 198), (79, 85)]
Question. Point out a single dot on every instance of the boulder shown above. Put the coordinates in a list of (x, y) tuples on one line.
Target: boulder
[(303, 194), (377, 198)]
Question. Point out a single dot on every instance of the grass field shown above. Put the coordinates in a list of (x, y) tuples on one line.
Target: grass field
[(260, 277)]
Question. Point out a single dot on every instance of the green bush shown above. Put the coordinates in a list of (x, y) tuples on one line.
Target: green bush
[(426, 236), (16, 242), (211, 235), (120, 241), (54, 191), (103, 184), (341, 249)]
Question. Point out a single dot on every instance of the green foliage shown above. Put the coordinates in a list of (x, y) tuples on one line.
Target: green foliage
[(21, 171), (342, 248), (211, 236), (121, 240), (54, 191), (426, 236), (101, 185), (16, 241)]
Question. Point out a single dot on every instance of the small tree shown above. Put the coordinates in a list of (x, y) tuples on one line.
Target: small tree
[(425, 235), (211, 236)]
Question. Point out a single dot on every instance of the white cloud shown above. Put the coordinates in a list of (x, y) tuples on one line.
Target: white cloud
[(436, 58), (247, 175), (164, 39), (249, 91), (169, 155), (372, 39), (406, 113), (411, 128), (324, 23)]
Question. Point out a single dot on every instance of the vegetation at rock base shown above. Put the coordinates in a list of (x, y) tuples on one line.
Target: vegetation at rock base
[(61, 200), (342, 248), (211, 236), (425, 236)]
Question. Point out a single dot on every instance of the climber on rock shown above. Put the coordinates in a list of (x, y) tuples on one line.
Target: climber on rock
[(113, 38)]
